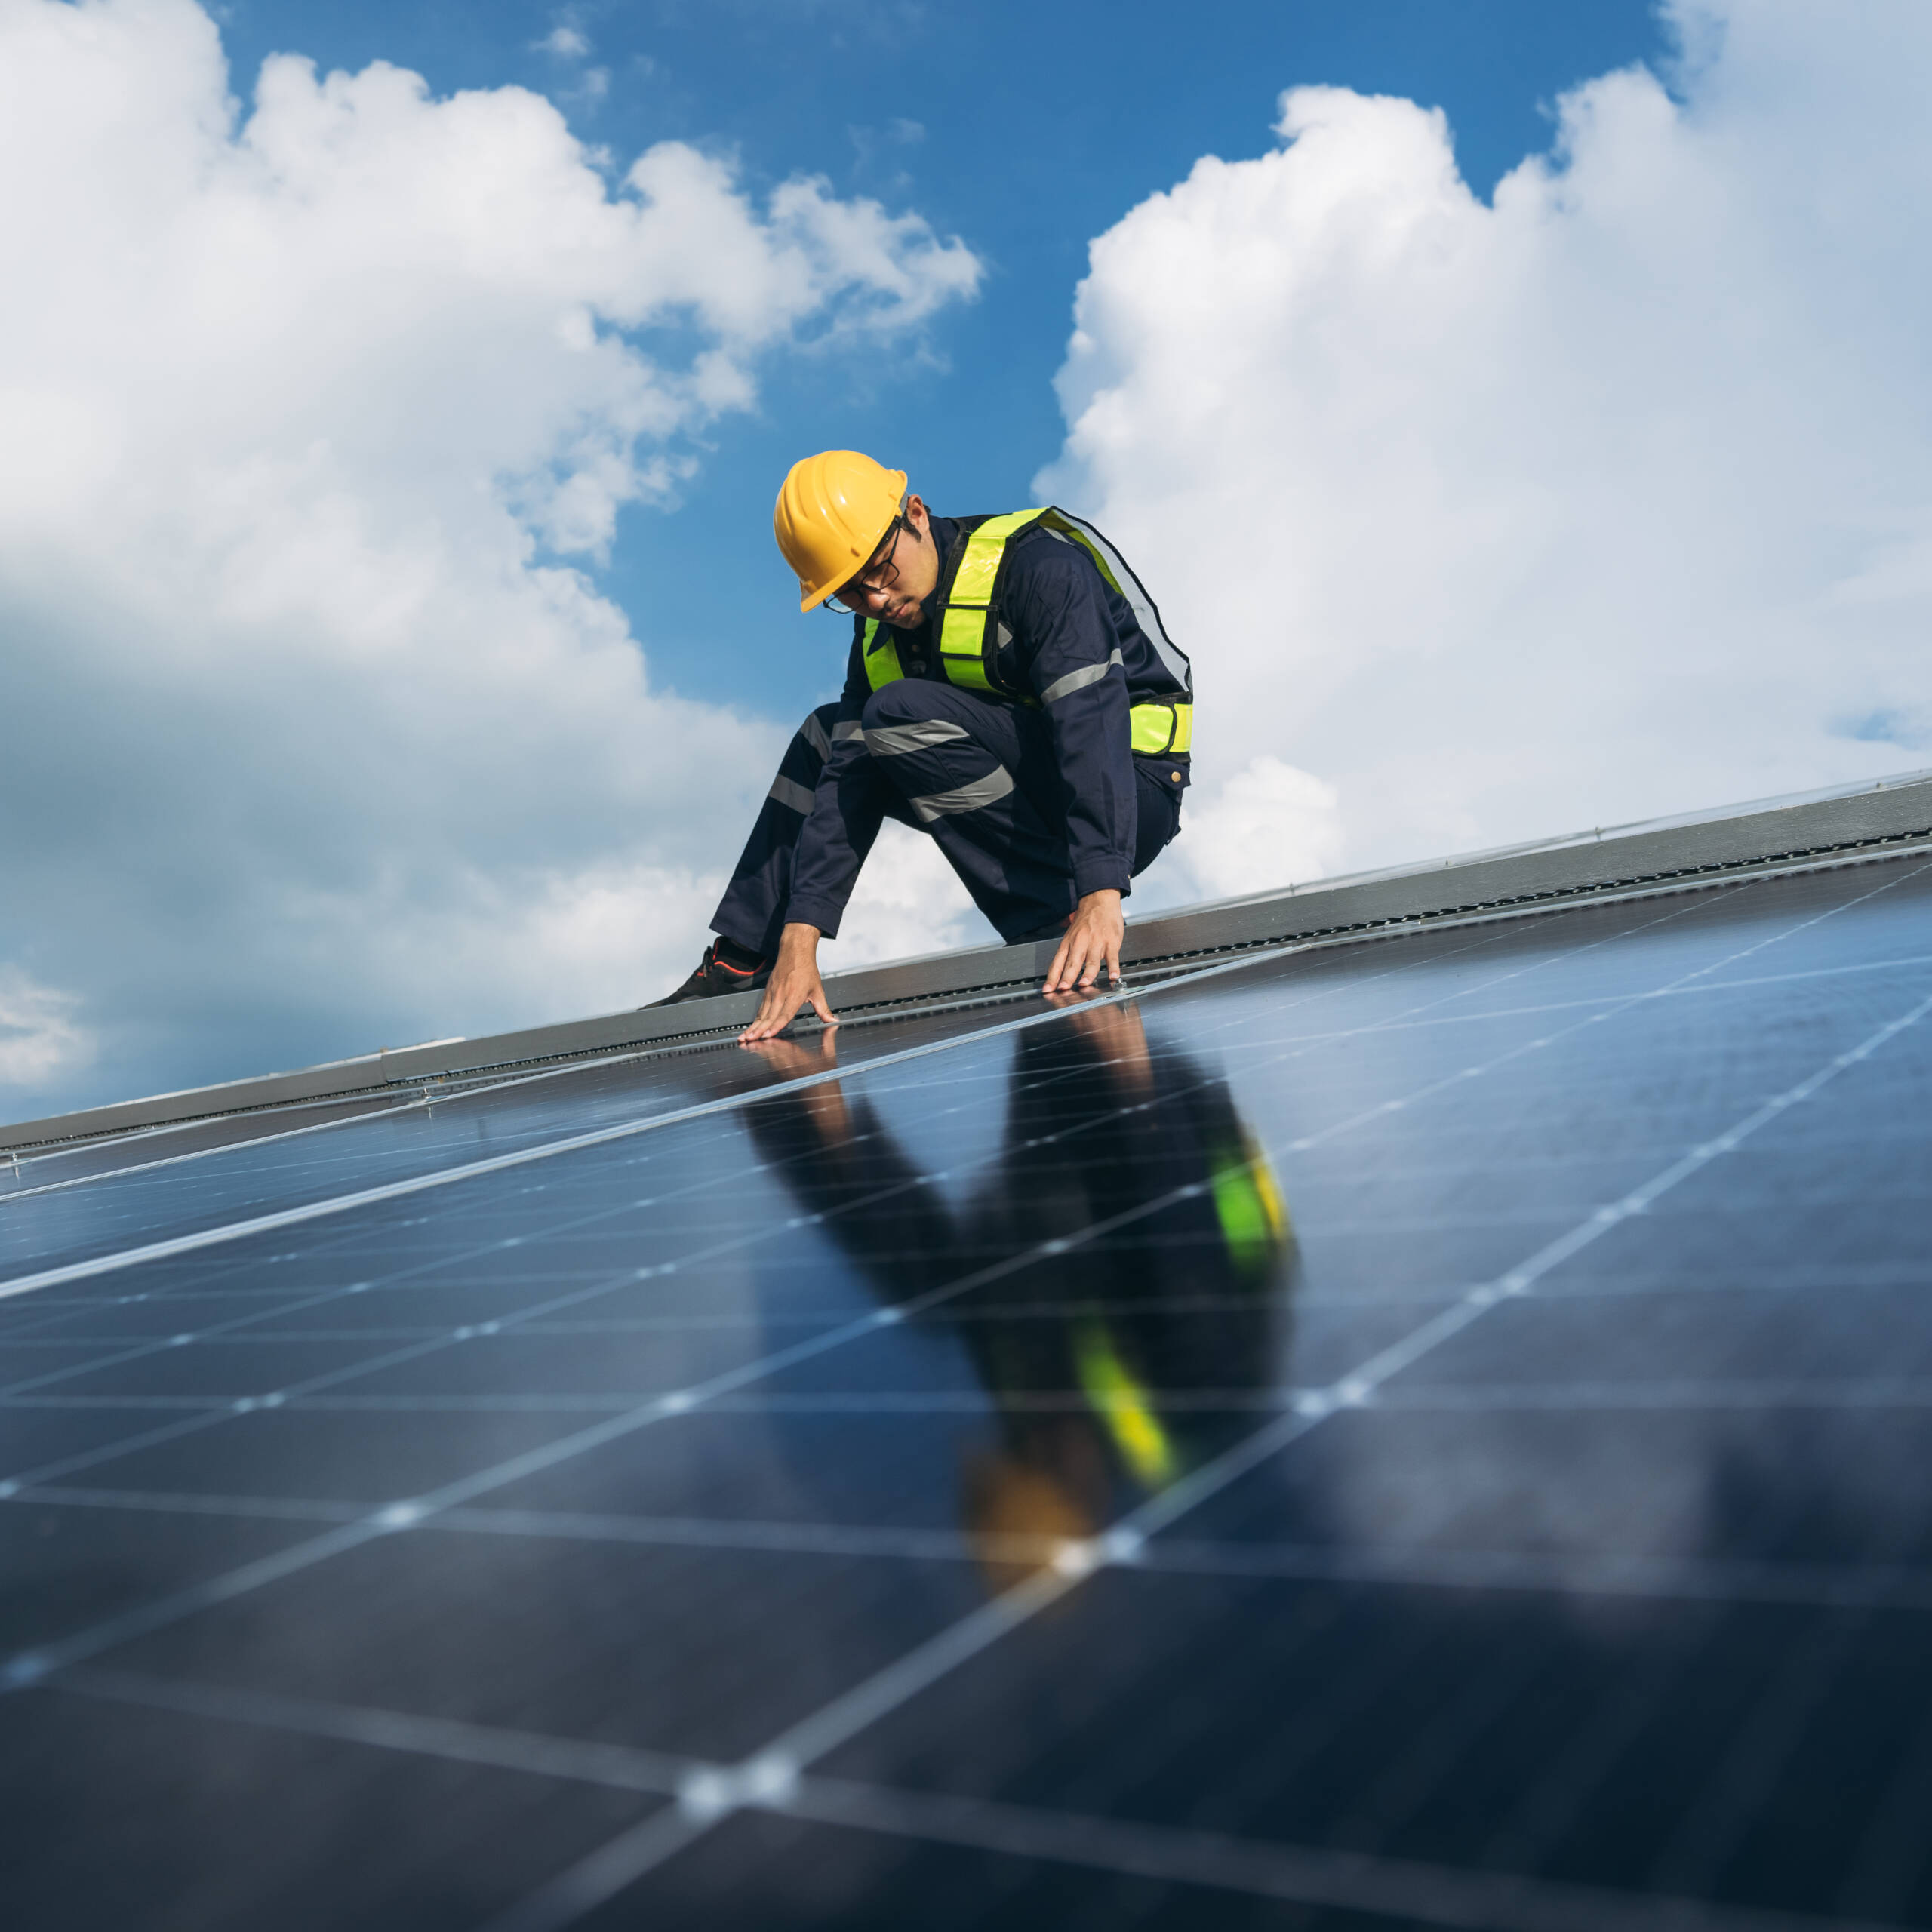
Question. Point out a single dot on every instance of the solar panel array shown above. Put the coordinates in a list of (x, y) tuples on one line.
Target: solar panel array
[(1433, 1429)]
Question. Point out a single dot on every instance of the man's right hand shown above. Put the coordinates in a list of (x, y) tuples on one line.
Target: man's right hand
[(794, 982)]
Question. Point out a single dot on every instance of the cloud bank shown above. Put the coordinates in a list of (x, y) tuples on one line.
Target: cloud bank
[(1611, 499), (316, 733)]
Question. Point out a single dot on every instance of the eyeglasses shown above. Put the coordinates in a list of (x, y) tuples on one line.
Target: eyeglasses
[(881, 573)]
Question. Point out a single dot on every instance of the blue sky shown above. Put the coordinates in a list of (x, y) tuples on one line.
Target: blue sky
[(1521, 430), (1037, 128)]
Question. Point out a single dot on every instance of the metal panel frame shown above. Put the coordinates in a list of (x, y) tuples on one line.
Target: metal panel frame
[(1811, 828)]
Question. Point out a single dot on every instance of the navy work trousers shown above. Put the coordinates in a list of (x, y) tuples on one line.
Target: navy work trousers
[(980, 777)]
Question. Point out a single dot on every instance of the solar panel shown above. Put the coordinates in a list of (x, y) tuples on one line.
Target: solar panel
[(1431, 1428)]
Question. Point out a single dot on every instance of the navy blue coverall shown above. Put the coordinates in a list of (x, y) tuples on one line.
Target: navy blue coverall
[(1034, 806)]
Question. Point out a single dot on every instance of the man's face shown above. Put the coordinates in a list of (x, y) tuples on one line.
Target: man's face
[(914, 575)]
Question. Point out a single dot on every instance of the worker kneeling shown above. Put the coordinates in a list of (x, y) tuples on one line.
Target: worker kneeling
[(1009, 690)]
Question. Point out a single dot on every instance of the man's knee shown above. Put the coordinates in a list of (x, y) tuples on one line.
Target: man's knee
[(904, 701), (909, 715)]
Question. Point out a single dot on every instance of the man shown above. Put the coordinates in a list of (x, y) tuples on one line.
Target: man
[(1009, 690)]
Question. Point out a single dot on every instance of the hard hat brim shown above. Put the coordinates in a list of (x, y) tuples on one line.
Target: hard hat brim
[(810, 599)]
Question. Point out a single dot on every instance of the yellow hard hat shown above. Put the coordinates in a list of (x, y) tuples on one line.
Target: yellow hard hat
[(830, 514)]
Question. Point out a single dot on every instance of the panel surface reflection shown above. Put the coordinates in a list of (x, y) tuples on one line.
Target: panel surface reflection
[(1433, 1431), (1130, 1311)]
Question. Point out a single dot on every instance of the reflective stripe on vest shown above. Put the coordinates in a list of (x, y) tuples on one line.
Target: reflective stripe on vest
[(965, 647)]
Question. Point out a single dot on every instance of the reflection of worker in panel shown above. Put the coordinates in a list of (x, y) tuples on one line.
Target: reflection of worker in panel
[(1105, 1360), (1009, 690)]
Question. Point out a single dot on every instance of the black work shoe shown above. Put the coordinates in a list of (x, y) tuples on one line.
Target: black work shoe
[(716, 975)]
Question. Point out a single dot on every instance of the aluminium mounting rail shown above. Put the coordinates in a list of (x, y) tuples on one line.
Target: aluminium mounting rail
[(1812, 828)]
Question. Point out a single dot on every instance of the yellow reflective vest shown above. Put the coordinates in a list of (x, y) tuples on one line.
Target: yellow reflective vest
[(971, 634)]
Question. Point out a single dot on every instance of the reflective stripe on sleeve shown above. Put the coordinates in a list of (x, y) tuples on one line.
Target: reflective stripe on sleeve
[(1078, 681), (813, 732), (789, 792), (850, 728)]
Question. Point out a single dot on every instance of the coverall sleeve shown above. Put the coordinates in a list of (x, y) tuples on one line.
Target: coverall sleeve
[(846, 814), (1058, 610)]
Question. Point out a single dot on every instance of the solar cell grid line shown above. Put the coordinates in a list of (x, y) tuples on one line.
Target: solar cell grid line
[(445, 1334), (82, 1162), (1677, 1579), (1286, 1051), (244, 1171), (45, 1276), (1451, 995), (398, 1140), (213, 1412), (258, 1126), (33, 1666), (1690, 1579), (1867, 1391), (297, 1391), (270, 1223), (1596, 1016), (1376, 1886), (78, 1272), (296, 1305), (111, 1155), (223, 1131), (1355, 1388), (448, 1101), (1570, 1005), (412, 1509), (783, 1759), (1843, 1392)]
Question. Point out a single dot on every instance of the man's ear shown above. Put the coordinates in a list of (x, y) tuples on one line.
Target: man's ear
[(917, 515)]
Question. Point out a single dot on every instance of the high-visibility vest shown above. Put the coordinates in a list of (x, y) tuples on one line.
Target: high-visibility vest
[(971, 632)]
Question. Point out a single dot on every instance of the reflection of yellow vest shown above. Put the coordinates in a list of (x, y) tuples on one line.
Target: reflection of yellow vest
[(1254, 1225), (1248, 1204), (970, 633)]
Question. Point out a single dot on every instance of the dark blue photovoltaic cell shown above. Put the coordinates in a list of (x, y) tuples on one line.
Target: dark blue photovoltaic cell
[(72, 1205), (1436, 1429)]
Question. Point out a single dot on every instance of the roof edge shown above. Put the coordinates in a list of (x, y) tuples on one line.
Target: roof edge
[(1809, 826)]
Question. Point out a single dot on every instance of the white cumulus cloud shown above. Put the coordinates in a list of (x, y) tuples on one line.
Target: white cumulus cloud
[(1613, 498), (316, 735), (41, 1041)]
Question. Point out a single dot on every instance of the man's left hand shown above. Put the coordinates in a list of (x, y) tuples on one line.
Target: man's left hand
[(1093, 940)]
